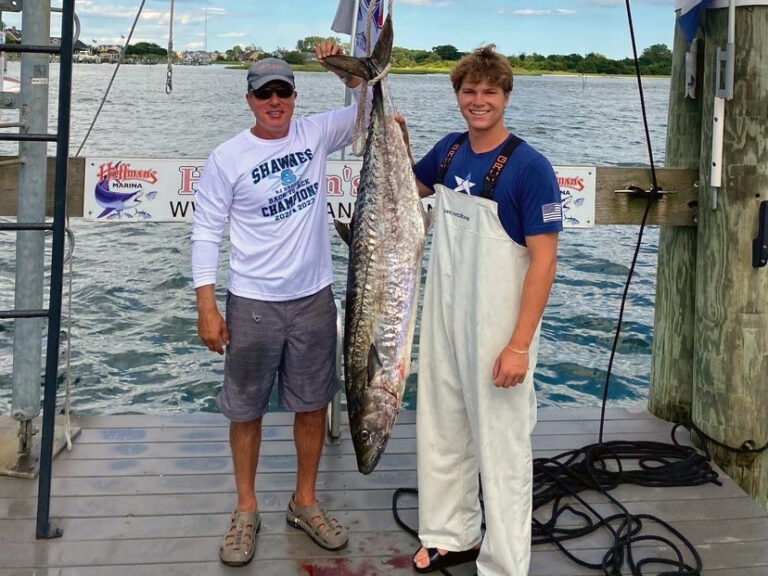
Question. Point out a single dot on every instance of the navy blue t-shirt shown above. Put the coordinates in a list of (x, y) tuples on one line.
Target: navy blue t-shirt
[(527, 192)]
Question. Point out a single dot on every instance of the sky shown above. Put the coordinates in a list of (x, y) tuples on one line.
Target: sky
[(515, 26)]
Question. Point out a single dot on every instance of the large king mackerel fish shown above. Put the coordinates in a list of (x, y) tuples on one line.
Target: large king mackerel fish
[(386, 241)]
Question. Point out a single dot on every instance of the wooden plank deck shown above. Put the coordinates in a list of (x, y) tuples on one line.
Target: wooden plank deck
[(150, 495)]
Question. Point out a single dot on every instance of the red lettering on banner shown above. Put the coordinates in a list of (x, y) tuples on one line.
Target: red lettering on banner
[(122, 171), (573, 182), (333, 186), (189, 177)]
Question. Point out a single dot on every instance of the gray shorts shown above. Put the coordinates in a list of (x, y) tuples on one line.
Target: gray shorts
[(293, 340)]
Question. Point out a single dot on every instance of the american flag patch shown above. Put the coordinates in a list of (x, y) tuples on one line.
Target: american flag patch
[(552, 212)]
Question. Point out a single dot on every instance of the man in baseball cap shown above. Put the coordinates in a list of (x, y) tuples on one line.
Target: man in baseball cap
[(269, 182)]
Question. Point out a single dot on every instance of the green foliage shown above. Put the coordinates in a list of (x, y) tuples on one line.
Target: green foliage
[(447, 52), (146, 49), (656, 59), (293, 57), (308, 44), (235, 52)]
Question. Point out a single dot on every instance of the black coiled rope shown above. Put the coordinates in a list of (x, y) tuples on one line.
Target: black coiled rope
[(559, 481)]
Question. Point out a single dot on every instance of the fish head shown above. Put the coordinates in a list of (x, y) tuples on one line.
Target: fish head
[(376, 418)]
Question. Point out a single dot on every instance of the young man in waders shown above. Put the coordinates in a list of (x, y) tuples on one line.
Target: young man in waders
[(491, 267), (269, 183)]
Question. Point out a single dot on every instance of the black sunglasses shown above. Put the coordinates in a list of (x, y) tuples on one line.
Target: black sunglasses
[(282, 92)]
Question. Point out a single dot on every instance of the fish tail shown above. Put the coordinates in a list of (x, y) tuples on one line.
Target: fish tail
[(368, 67)]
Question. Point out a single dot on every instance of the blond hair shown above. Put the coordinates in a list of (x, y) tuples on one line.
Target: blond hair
[(483, 64)]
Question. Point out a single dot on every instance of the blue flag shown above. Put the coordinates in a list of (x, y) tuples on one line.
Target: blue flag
[(344, 18), (690, 16)]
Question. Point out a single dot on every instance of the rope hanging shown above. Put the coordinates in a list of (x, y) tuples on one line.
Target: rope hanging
[(169, 72), (359, 134)]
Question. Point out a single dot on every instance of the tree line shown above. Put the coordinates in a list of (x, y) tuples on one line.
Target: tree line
[(655, 60)]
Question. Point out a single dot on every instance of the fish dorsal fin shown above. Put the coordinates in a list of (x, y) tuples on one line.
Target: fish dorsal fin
[(429, 219), (374, 362), (344, 229), (382, 52)]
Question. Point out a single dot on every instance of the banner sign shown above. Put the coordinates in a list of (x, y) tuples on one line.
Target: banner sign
[(577, 195), (135, 189)]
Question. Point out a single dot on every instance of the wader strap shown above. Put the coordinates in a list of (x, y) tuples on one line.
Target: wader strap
[(498, 165), (449, 157)]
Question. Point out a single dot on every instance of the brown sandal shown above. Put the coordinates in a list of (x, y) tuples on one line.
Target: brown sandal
[(239, 543), (323, 528)]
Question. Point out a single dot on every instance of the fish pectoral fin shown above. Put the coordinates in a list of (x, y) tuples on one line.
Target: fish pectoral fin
[(344, 230), (429, 219), (374, 362), (355, 66)]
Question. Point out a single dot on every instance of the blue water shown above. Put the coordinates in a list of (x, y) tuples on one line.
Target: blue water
[(134, 347)]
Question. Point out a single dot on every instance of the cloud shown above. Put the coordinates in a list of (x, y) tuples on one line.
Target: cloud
[(539, 12), (669, 3), (231, 35)]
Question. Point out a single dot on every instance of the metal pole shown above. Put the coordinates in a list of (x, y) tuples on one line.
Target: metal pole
[(43, 529), (30, 251), (2, 55), (353, 37)]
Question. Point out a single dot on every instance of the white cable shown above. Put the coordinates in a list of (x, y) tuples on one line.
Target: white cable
[(120, 61)]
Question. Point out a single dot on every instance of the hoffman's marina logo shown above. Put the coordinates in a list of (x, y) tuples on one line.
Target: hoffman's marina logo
[(573, 182), (120, 171), (120, 191)]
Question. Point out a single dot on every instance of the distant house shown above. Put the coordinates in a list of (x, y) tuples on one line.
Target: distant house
[(80, 46), (13, 36), (196, 57), (109, 52)]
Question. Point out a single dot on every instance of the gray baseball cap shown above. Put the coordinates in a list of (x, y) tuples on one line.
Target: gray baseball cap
[(267, 70)]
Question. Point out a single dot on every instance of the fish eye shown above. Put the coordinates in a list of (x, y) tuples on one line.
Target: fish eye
[(364, 435)]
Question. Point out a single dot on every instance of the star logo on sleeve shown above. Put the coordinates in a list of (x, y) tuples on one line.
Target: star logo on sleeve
[(463, 184)]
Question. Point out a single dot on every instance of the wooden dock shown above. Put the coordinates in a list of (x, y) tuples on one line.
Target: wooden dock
[(150, 495)]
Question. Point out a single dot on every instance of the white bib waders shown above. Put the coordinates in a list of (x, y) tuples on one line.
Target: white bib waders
[(465, 424)]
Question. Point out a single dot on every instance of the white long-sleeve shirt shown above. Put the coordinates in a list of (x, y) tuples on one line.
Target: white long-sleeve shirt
[(273, 193)]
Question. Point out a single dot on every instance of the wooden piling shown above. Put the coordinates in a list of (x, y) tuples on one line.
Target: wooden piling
[(672, 360), (730, 394)]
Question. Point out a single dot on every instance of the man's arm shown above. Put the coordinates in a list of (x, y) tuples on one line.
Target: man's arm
[(511, 365), (213, 199), (210, 323)]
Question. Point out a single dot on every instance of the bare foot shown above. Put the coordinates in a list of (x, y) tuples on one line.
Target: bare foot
[(421, 558)]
